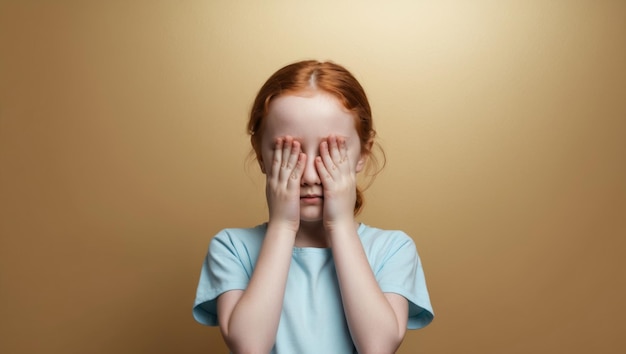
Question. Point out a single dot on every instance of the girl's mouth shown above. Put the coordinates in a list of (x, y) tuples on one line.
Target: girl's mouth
[(311, 199)]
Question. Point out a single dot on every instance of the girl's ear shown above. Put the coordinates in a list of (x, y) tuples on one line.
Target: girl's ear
[(361, 163), (365, 153), (259, 159)]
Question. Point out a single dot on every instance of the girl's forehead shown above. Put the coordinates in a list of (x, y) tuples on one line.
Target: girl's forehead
[(310, 116)]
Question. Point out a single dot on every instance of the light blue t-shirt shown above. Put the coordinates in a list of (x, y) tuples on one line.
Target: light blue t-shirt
[(312, 318)]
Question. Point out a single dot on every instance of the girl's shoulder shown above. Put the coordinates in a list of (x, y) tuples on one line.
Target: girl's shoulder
[(384, 243), (243, 231), (371, 234), (247, 237), (389, 251)]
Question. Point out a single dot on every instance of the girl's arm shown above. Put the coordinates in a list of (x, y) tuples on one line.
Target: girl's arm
[(377, 320), (249, 318)]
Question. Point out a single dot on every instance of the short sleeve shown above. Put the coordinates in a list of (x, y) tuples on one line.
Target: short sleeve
[(223, 270), (400, 271)]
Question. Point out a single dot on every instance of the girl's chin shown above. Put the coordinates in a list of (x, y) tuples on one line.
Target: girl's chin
[(310, 218), (311, 215)]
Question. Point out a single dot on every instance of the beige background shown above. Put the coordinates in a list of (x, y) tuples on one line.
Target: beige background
[(123, 150)]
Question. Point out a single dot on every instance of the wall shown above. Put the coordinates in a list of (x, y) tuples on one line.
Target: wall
[(123, 150)]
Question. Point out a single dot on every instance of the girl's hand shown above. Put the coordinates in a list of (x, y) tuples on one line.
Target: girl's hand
[(338, 178), (283, 183)]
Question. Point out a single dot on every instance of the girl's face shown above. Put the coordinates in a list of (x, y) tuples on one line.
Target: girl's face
[(310, 119)]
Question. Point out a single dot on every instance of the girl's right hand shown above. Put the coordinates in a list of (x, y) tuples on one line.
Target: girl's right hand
[(283, 183)]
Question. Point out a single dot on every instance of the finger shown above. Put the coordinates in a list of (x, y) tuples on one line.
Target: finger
[(294, 154), (277, 158), (297, 172), (292, 159), (322, 171), (344, 159), (287, 145), (327, 159), (333, 147)]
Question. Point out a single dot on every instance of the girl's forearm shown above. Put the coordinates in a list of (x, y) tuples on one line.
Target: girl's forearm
[(253, 322), (373, 323)]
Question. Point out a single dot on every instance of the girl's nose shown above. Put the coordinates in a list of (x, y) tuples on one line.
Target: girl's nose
[(310, 176)]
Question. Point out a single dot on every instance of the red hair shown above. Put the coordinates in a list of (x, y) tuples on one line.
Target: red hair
[(314, 75)]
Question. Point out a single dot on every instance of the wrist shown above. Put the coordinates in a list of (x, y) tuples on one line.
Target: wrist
[(340, 227), (283, 227)]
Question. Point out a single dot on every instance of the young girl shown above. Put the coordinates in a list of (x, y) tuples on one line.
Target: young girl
[(312, 279)]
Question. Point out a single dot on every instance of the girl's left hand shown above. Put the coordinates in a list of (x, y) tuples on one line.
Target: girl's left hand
[(338, 178)]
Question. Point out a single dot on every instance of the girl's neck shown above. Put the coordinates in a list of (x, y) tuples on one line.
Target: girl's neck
[(311, 234)]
